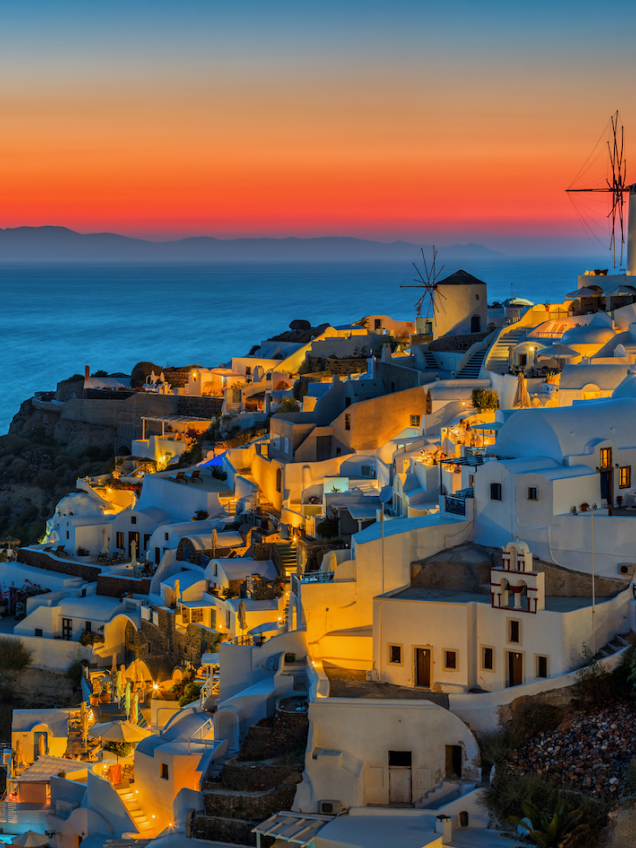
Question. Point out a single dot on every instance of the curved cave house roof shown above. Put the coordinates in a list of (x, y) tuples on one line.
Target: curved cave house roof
[(565, 431), (606, 375), (597, 332), (460, 278), (627, 387)]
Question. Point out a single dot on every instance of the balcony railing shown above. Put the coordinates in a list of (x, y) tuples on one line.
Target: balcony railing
[(311, 577), (455, 506)]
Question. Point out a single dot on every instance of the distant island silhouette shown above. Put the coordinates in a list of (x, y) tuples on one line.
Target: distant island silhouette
[(63, 244)]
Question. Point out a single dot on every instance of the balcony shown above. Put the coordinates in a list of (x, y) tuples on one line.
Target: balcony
[(311, 577)]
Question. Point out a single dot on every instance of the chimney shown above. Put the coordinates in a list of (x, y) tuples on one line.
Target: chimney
[(87, 372)]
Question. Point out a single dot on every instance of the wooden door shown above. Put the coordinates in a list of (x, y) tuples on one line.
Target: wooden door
[(400, 777), (67, 629), (515, 668), (423, 667)]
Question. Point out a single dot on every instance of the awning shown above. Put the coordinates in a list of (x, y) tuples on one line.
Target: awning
[(45, 767), (585, 292), (297, 828), (494, 425)]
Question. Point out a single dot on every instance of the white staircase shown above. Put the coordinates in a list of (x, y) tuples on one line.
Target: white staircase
[(497, 359), (143, 823)]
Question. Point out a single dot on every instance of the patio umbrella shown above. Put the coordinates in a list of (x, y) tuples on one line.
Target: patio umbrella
[(557, 351), (134, 712), (241, 615), (31, 839), (84, 721), (105, 545), (41, 746), (127, 697), (585, 292), (133, 553), (511, 357), (522, 398), (619, 291), (177, 592), (17, 753), (120, 686), (113, 668), (118, 731)]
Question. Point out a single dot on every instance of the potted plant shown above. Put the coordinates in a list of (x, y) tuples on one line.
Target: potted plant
[(585, 507)]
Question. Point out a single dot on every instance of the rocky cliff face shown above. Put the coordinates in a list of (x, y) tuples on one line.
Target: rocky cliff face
[(40, 459)]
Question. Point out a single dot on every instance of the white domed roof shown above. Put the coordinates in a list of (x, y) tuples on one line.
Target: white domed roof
[(627, 388), (594, 333), (80, 503)]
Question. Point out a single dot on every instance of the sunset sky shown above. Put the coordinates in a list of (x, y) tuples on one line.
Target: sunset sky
[(444, 122)]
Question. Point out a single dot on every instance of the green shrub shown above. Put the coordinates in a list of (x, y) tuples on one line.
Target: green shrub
[(328, 528), (14, 656), (75, 673), (191, 693), (122, 749), (485, 399), (495, 745), (200, 515), (540, 717), (88, 637), (596, 684), (506, 797), (288, 405)]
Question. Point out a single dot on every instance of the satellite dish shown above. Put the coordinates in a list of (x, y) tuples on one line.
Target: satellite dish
[(386, 494)]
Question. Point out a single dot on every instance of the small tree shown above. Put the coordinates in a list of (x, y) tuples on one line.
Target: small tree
[(288, 405), (192, 692), (554, 827), (13, 655), (485, 399)]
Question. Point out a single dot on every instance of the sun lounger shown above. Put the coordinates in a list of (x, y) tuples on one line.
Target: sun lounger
[(59, 550), (195, 477), (180, 478)]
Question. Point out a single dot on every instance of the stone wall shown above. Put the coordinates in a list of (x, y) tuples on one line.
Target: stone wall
[(165, 638), (259, 776), (235, 831), (249, 806), (205, 407), (39, 559), (457, 343), (113, 586)]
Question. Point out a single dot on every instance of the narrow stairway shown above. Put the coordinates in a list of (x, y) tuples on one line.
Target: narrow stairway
[(472, 368), (287, 551), (616, 644), (497, 359), (430, 361), (129, 798)]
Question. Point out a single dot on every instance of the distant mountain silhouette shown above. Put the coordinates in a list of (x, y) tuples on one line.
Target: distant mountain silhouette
[(60, 243)]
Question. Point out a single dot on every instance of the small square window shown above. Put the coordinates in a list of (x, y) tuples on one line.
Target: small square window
[(164, 771), (542, 667), (415, 420), (625, 477), (450, 660), (133, 519), (395, 654), (495, 491), (487, 659), (532, 493), (514, 632), (38, 632)]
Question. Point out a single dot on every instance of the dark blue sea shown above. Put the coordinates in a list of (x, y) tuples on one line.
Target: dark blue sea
[(58, 317)]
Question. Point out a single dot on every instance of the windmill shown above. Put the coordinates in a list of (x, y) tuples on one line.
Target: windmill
[(426, 281), (613, 184)]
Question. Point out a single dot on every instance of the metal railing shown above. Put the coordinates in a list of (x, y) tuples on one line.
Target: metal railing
[(455, 506)]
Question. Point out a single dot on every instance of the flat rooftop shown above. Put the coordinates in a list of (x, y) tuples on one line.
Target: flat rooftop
[(351, 683), (452, 596)]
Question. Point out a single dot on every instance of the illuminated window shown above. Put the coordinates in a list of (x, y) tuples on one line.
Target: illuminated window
[(450, 660), (606, 457), (625, 477), (395, 654), (120, 540), (415, 420)]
